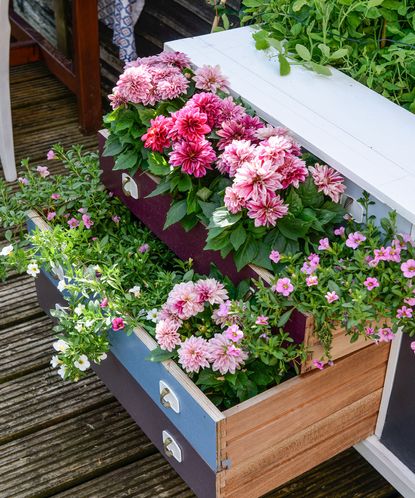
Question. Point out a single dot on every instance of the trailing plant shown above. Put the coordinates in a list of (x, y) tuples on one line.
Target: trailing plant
[(373, 41)]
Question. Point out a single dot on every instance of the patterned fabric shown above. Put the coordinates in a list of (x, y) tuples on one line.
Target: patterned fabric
[(121, 16)]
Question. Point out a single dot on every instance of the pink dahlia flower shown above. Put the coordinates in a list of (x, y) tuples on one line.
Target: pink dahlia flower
[(229, 111), (211, 291), (190, 124), (268, 131), (255, 179), (178, 59), (327, 180), (184, 300), (224, 356), (134, 84), (283, 286), (194, 158), (267, 210), (235, 155), (207, 103), (156, 137), (234, 130), (167, 334), (233, 201), (293, 171), (194, 354), (275, 149), (210, 79)]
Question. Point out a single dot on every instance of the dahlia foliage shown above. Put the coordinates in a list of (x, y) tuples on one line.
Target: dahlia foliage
[(221, 164)]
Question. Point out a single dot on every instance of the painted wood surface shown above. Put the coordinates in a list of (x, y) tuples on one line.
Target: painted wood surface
[(339, 120)]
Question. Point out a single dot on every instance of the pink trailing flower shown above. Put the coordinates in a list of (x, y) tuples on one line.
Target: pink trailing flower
[(87, 221), (184, 300), (308, 268), (211, 291), (82, 210), (116, 219), (369, 331), (144, 248), (190, 124), (314, 259), (50, 155), (408, 268), (209, 104), (233, 201), (393, 254), (194, 158), (318, 364), (339, 231), (267, 210), (256, 179), (311, 280), (234, 156), (385, 334), (73, 223), (117, 323), (404, 312), (274, 256), (22, 180), (324, 244), (410, 301), (55, 196), (103, 303), (156, 137), (283, 286), (381, 254), (355, 239), (51, 215), (167, 334), (194, 354), (234, 333), (331, 297), (413, 346), (224, 356), (210, 79), (262, 320), (370, 283), (43, 171), (293, 171), (327, 180)]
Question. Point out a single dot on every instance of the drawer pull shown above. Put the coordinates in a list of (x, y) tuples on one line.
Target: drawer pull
[(171, 448), (168, 398), (128, 186)]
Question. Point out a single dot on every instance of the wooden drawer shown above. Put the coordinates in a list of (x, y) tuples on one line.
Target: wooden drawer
[(263, 442)]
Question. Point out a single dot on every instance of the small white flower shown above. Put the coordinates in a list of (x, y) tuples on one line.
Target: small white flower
[(32, 269), (60, 345), (61, 285), (82, 363), (55, 361), (62, 371), (79, 309), (79, 326), (152, 315), (6, 250), (102, 357), (108, 321), (89, 323), (136, 290)]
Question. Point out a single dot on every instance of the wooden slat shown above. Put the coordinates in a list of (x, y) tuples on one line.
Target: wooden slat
[(25, 348), (304, 449), (41, 399), (46, 90), (148, 478), (56, 458), (18, 301)]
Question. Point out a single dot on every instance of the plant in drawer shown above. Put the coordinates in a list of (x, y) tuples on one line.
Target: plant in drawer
[(220, 164)]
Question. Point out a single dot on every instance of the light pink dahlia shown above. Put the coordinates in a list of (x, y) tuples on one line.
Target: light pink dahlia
[(327, 180), (293, 171), (234, 156), (210, 79), (211, 291), (178, 59), (184, 301), (194, 158), (167, 334), (233, 201), (194, 354), (275, 149), (234, 130), (134, 84), (224, 356), (267, 210), (256, 179)]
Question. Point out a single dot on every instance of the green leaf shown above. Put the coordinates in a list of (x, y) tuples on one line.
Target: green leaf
[(262, 258), (246, 254), (253, 3), (294, 202), (113, 146), (185, 183), (299, 4), (146, 115), (189, 222), (161, 188), (126, 160), (176, 212), (293, 228), (303, 52), (8, 235), (309, 194), (157, 164), (238, 236), (334, 287), (204, 193), (325, 50), (285, 67), (225, 20), (158, 355), (318, 68), (222, 218), (339, 54), (207, 208), (284, 318)]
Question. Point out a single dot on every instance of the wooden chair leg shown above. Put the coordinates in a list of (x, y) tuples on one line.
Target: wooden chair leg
[(6, 128), (86, 64)]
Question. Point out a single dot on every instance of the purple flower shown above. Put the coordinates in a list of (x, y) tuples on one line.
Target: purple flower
[(116, 219), (324, 244), (55, 196), (50, 155), (370, 283), (51, 215), (355, 239), (339, 231), (103, 303), (22, 180), (144, 248), (275, 256), (87, 221), (117, 323), (73, 223), (318, 364), (413, 346), (262, 320), (43, 171)]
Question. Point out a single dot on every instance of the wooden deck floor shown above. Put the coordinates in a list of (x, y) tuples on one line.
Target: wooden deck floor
[(74, 440)]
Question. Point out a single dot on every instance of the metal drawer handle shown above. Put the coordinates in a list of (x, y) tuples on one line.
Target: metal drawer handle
[(166, 444), (171, 448), (129, 186), (163, 395), (124, 184), (168, 398)]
